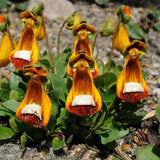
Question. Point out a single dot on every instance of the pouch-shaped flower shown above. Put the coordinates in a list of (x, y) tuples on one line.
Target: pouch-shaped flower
[(131, 85), (27, 51), (6, 47), (83, 98), (121, 39), (38, 23), (36, 107), (82, 46)]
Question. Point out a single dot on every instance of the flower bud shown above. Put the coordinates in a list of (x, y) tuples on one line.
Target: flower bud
[(107, 28)]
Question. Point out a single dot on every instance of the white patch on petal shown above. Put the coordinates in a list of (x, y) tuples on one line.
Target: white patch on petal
[(23, 54), (133, 87), (83, 100), (32, 109)]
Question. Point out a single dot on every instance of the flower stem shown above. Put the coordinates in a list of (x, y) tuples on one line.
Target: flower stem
[(10, 37), (58, 40), (95, 38), (99, 60), (111, 53), (49, 51)]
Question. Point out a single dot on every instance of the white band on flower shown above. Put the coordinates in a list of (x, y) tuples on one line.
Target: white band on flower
[(83, 100), (23, 54), (32, 109), (133, 87)]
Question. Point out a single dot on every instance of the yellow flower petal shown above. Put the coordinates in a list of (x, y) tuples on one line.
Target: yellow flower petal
[(121, 39), (5, 49)]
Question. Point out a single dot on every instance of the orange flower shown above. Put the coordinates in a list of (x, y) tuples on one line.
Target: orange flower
[(83, 98), (121, 39), (131, 85), (36, 107), (2, 18), (82, 48), (127, 11), (27, 51)]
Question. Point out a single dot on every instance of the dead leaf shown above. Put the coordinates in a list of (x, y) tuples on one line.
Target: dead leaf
[(126, 147), (149, 115), (152, 137)]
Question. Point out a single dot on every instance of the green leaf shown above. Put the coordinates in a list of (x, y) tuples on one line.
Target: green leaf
[(111, 95), (14, 82), (13, 124), (135, 32), (158, 112), (100, 121), (59, 87), (70, 138), (14, 95), (110, 80), (4, 91), (148, 152), (4, 111), (24, 139), (113, 134), (57, 144), (6, 133), (134, 118), (21, 6), (5, 3), (11, 105), (101, 2), (107, 122), (86, 121), (45, 63), (157, 26), (154, 15)]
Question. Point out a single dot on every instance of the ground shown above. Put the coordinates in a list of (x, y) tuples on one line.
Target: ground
[(95, 15)]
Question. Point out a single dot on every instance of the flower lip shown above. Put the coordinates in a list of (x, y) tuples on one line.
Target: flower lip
[(136, 44), (33, 109), (35, 70), (133, 87), (23, 54), (84, 26), (83, 100), (28, 14), (81, 55)]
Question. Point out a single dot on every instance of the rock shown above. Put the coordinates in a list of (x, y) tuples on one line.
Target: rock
[(54, 9)]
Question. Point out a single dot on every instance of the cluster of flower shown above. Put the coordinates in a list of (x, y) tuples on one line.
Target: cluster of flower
[(83, 98)]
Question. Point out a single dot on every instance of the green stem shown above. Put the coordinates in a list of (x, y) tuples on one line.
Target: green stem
[(95, 38), (49, 51), (102, 64), (58, 40), (111, 53)]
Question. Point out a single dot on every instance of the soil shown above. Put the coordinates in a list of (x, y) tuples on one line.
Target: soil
[(144, 133)]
